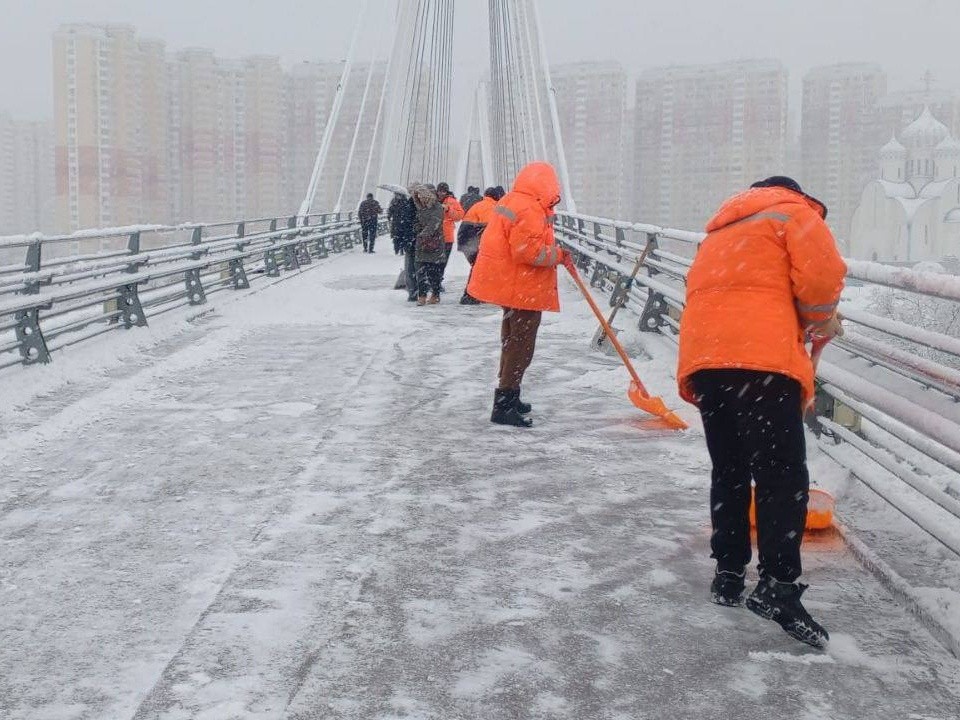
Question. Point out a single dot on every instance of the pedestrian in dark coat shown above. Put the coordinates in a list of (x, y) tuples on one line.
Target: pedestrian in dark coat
[(430, 247), (369, 215), (470, 198), (402, 214)]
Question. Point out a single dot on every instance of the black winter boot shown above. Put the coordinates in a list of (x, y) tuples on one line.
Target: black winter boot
[(780, 602), (522, 407), (727, 588), (505, 409)]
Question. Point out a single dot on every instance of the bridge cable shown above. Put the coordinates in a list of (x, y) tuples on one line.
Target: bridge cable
[(569, 201), (376, 125), (334, 116), (359, 124)]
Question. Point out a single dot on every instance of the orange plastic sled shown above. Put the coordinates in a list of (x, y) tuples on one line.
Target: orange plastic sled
[(637, 392), (819, 510)]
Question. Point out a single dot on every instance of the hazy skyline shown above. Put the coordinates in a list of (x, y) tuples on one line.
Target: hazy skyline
[(906, 38)]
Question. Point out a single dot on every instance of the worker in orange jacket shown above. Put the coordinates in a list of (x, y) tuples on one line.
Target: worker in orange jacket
[(452, 214), (471, 229), (517, 269), (766, 279)]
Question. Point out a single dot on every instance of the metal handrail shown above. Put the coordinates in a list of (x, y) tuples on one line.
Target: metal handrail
[(53, 302), (868, 374)]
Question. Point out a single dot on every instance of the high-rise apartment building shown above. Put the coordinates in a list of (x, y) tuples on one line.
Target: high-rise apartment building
[(27, 183), (100, 75), (264, 135), (841, 129), (591, 103), (143, 136), (703, 133)]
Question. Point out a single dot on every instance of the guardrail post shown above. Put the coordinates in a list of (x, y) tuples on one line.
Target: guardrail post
[(131, 311), (290, 261), (270, 263), (191, 278), (651, 318), (302, 249), (128, 302), (323, 250), (195, 292), (653, 311), (32, 262), (238, 274), (33, 348)]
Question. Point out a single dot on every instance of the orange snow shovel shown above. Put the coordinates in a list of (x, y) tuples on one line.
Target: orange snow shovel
[(637, 393)]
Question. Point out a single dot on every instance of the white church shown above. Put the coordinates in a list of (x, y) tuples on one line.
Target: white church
[(912, 212)]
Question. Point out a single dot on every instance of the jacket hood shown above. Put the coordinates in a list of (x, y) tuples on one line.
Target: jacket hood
[(539, 180), (423, 195), (756, 200)]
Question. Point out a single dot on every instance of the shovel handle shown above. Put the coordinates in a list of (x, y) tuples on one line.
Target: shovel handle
[(633, 276), (571, 268), (816, 350)]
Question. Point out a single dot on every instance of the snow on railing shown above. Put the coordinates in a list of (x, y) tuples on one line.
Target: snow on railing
[(932, 284), (59, 295)]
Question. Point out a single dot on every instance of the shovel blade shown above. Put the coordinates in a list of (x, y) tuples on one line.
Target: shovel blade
[(654, 406)]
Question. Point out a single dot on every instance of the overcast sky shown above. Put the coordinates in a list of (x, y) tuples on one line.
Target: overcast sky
[(906, 36)]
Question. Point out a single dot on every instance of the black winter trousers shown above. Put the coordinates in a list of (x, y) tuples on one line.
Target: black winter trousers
[(447, 251), (369, 230), (428, 278), (753, 423), (410, 269)]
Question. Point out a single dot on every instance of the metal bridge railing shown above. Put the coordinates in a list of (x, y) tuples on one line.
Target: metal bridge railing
[(71, 288), (888, 388)]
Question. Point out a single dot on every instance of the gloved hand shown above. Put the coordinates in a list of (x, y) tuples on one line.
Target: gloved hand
[(828, 330), (566, 258)]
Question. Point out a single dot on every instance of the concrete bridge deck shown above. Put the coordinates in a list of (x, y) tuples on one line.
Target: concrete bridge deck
[(294, 507)]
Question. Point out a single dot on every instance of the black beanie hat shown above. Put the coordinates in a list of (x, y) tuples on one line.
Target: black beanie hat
[(790, 184)]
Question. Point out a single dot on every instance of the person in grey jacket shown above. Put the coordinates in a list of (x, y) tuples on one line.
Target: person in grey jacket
[(430, 248)]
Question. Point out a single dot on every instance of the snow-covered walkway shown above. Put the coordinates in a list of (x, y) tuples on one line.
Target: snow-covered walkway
[(295, 507)]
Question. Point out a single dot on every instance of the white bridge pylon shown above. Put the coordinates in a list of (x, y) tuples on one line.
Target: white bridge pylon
[(513, 121)]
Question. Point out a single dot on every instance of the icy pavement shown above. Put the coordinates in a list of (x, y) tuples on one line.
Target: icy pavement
[(294, 507)]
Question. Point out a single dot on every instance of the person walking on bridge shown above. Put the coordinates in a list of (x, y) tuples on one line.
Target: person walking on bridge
[(470, 198), (402, 214), (428, 230), (767, 278), (517, 269), (369, 215), (472, 227)]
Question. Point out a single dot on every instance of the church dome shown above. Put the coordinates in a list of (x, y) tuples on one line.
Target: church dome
[(925, 131), (949, 145), (893, 148)]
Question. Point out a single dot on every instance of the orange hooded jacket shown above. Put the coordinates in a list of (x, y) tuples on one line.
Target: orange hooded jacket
[(481, 212), (517, 264), (767, 271), (452, 214)]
